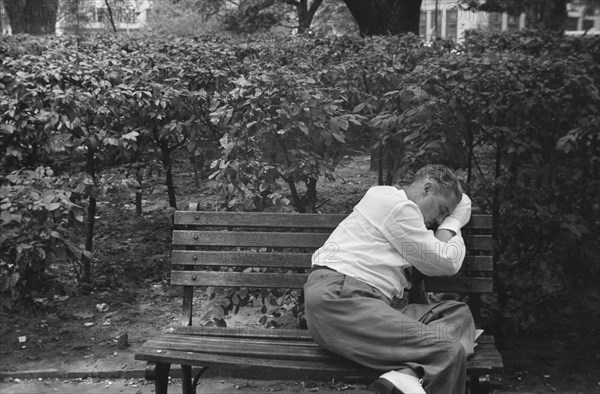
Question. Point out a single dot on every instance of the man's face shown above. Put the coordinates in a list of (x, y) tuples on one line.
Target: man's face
[(434, 206)]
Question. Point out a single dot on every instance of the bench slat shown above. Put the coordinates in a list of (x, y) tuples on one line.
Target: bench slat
[(282, 260), (279, 350), (244, 348), (286, 220), (249, 239), (259, 219), (296, 281), (203, 350), (275, 239), (261, 333), (259, 368), (264, 334), (459, 285)]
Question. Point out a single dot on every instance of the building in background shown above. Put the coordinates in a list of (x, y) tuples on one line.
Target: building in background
[(446, 19), (583, 18), (4, 22), (90, 16), (443, 18)]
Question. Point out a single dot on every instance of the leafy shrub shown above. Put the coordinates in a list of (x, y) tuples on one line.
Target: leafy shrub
[(517, 112), (523, 117), (40, 228)]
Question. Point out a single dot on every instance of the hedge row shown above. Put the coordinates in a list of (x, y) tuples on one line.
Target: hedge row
[(517, 112)]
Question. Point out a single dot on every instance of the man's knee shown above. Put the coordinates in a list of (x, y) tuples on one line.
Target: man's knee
[(454, 350), (458, 309), (452, 304)]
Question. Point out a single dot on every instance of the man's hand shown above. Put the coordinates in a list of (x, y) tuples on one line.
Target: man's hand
[(459, 217)]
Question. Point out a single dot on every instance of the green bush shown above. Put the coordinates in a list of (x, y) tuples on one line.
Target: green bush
[(518, 113), (40, 228)]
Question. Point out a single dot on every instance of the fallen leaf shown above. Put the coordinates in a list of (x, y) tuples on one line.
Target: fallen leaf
[(83, 315)]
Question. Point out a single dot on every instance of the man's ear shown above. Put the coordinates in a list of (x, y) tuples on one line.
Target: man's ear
[(427, 187)]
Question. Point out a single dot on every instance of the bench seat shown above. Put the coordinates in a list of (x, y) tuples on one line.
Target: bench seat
[(257, 354)]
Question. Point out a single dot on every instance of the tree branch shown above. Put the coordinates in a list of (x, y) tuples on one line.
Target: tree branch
[(110, 16), (312, 10)]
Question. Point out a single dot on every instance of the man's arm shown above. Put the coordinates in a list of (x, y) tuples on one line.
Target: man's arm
[(444, 235), (456, 220), (439, 253), (405, 229)]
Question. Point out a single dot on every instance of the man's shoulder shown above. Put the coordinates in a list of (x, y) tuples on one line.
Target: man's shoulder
[(389, 193), (383, 198), (383, 189)]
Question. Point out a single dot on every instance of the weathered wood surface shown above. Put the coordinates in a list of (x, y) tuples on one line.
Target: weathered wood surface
[(299, 353), (281, 240), (296, 281), (295, 220), (287, 260)]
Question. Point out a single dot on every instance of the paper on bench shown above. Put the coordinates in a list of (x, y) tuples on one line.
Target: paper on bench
[(478, 333)]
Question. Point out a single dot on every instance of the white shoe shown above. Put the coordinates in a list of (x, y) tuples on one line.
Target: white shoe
[(395, 382)]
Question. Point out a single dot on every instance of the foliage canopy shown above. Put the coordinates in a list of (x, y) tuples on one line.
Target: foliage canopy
[(268, 118)]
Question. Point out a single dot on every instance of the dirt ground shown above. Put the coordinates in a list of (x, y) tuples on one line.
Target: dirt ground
[(131, 269)]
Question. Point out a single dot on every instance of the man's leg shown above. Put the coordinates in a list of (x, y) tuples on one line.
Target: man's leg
[(354, 320), (451, 319)]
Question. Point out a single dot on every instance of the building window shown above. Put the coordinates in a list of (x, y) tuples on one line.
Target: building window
[(588, 24), (513, 22), (437, 28), (101, 15), (495, 21), (452, 24), (572, 23), (423, 24)]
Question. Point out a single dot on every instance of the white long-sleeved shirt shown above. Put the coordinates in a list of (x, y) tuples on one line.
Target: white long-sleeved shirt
[(383, 235)]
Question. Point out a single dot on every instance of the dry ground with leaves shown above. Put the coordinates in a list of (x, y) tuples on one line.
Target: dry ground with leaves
[(131, 272)]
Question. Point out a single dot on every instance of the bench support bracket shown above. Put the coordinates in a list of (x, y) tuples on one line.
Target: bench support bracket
[(188, 385)]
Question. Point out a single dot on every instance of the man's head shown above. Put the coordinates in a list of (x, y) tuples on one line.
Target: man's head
[(436, 191)]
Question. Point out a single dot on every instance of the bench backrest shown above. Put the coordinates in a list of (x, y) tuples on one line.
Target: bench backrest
[(207, 244)]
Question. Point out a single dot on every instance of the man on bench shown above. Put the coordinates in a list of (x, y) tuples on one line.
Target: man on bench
[(361, 267)]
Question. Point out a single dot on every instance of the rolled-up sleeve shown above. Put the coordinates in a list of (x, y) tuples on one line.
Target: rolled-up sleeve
[(405, 229)]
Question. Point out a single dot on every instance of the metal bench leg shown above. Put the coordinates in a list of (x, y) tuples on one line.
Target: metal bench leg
[(186, 380), (159, 372), (188, 386)]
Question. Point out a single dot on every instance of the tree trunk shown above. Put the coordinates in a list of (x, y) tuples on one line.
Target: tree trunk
[(470, 140), (311, 194), (138, 192), (296, 200), (306, 14), (91, 217), (32, 16), (381, 150), (167, 164), (496, 226), (89, 240), (554, 15), (386, 17)]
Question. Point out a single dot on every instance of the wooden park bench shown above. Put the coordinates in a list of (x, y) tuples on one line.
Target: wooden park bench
[(215, 248)]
